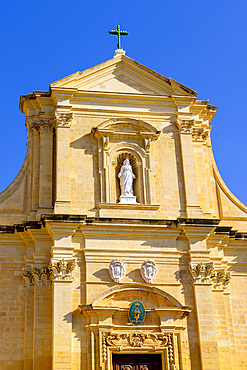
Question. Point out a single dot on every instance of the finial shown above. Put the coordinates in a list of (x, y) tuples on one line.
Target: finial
[(118, 33)]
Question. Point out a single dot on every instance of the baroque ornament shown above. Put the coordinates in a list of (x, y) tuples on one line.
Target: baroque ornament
[(124, 341), (149, 271), (117, 270)]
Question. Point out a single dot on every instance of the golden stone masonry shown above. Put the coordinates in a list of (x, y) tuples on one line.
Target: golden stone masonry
[(119, 200)]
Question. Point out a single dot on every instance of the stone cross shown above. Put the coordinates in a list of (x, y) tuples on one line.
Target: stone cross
[(118, 33)]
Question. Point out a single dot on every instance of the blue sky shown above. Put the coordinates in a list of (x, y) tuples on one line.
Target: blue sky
[(201, 44)]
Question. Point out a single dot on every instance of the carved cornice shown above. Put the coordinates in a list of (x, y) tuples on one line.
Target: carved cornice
[(152, 341), (185, 126), (63, 119), (205, 273)]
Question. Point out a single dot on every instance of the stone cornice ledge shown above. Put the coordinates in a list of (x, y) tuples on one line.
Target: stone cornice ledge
[(144, 207)]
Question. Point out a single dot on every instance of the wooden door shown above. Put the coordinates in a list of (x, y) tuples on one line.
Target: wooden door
[(136, 362)]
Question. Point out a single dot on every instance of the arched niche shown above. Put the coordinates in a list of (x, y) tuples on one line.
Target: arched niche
[(110, 330), (131, 138)]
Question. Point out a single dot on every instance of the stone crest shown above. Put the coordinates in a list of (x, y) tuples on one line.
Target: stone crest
[(149, 271), (117, 270)]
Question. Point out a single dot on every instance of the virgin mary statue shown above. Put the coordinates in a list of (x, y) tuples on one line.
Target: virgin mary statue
[(126, 177)]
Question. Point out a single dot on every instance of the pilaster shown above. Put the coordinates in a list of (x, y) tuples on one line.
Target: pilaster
[(193, 209), (38, 318), (46, 165), (202, 273), (63, 264), (63, 201), (34, 133)]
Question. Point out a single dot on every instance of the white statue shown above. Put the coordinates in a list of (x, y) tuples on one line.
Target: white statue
[(149, 271), (117, 270), (126, 177)]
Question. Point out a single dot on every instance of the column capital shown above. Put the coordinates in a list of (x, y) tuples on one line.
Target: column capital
[(62, 270), (63, 119), (185, 125), (46, 125), (200, 133)]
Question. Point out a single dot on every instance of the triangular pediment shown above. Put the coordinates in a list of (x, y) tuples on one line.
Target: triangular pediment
[(123, 75)]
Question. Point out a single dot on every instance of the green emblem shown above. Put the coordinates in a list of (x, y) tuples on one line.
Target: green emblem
[(137, 313)]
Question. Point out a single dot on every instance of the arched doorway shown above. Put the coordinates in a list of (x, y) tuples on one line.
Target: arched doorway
[(111, 334)]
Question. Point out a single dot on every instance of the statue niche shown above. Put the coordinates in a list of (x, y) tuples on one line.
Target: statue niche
[(127, 179)]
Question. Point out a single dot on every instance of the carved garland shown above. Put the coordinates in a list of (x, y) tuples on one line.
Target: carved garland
[(138, 339)]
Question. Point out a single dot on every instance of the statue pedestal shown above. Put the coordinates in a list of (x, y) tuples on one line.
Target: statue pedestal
[(127, 199)]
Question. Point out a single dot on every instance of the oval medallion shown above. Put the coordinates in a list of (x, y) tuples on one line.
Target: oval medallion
[(137, 313)]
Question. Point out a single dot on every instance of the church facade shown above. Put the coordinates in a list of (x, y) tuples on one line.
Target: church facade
[(121, 246)]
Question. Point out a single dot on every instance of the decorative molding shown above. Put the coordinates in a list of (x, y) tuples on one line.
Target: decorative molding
[(147, 144), (124, 341), (62, 270), (106, 141), (63, 119), (149, 271), (143, 207), (117, 270), (185, 126)]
